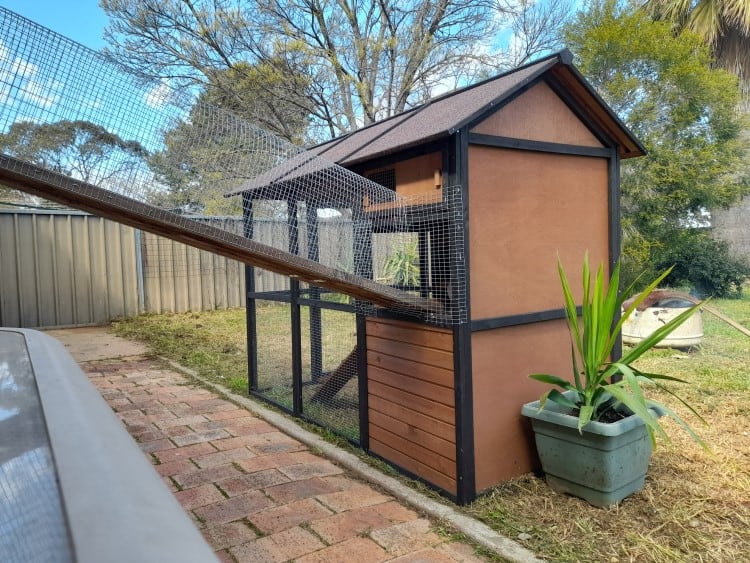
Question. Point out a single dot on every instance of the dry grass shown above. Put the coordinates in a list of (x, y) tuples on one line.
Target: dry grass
[(695, 506)]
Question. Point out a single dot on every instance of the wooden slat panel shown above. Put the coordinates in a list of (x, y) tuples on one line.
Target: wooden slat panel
[(428, 356), (418, 420), (421, 335), (416, 451), (438, 376), (413, 434), (437, 393), (416, 467), (415, 402)]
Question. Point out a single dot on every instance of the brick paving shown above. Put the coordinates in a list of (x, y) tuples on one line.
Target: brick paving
[(257, 494)]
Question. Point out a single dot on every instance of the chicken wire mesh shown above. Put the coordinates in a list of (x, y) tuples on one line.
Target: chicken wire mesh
[(76, 129)]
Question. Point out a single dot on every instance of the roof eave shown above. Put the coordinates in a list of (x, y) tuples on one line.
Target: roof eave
[(562, 62), (628, 144)]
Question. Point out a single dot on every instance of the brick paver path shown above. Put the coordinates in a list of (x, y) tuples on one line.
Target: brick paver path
[(257, 494)]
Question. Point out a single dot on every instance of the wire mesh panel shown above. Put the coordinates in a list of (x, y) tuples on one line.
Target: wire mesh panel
[(33, 524), (330, 393), (76, 129), (273, 349)]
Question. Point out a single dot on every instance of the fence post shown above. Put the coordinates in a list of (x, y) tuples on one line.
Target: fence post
[(139, 272)]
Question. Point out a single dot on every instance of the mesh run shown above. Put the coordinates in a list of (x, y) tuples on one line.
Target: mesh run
[(77, 130)]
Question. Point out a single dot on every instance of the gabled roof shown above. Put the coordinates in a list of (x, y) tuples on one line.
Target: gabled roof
[(442, 116)]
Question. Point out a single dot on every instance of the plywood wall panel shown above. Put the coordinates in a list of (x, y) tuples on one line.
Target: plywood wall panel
[(525, 210), (502, 359), (539, 115)]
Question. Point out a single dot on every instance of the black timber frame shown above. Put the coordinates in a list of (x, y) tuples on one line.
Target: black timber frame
[(297, 298), (455, 150)]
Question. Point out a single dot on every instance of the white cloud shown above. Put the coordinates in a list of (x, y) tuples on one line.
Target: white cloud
[(23, 68), (42, 95), (20, 75), (158, 96), (96, 103)]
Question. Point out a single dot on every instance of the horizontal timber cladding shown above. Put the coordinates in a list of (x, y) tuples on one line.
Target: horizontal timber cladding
[(411, 398)]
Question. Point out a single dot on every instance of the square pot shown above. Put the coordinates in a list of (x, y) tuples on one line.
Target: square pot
[(603, 465)]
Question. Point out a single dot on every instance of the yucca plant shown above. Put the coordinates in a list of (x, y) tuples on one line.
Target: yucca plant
[(601, 386), (402, 268)]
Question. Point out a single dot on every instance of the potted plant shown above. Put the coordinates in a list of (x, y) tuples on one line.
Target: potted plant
[(594, 435)]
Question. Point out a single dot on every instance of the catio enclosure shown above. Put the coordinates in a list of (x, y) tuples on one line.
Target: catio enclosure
[(419, 352), (499, 179)]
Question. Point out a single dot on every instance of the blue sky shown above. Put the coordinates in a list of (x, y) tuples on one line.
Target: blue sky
[(80, 20)]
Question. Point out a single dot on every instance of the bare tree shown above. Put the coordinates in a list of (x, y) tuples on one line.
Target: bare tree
[(536, 28), (362, 60)]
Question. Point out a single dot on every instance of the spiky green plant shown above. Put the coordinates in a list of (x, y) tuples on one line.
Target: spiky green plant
[(601, 385), (402, 268)]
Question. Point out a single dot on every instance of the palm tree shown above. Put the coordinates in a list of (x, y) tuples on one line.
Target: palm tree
[(723, 24)]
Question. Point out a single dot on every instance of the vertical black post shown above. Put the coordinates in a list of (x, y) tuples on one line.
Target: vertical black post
[(615, 231), (424, 265), (364, 413), (250, 315), (296, 317), (362, 230), (362, 243), (316, 328), (459, 240)]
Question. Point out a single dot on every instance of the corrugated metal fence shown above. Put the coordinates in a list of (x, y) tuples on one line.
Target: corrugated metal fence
[(68, 268)]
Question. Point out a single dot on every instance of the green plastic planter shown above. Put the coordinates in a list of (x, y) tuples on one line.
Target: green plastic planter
[(604, 465)]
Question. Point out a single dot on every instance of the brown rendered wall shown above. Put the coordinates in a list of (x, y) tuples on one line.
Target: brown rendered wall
[(411, 398), (540, 115), (525, 209), (501, 360)]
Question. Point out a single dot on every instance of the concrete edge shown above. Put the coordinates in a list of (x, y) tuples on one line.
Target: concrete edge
[(471, 527)]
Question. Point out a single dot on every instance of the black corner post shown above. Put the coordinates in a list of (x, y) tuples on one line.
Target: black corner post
[(296, 319), (250, 317), (424, 264), (615, 230), (362, 252), (465, 466), (316, 328), (364, 418)]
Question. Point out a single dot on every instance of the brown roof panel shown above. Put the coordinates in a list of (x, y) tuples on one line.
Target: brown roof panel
[(442, 116), (437, 118)]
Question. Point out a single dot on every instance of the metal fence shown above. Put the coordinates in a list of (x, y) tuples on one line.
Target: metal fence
[(68, 268)]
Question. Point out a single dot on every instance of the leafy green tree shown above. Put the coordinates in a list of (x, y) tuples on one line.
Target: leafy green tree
[(681, 107), (75, 148), (271, 94), (723, 24), (79, 149)]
